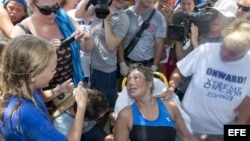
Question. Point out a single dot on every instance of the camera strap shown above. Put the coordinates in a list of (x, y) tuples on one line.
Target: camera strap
[(134, 40)]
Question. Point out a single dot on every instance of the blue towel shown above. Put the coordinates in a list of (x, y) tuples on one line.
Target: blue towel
[(67, 28)]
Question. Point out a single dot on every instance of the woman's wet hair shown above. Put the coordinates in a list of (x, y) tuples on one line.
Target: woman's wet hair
[(97, 105)]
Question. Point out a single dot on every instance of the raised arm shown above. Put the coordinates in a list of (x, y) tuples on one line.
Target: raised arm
[(172, 84), (81, 97), (5, 23), (86, 40), (80, 9)]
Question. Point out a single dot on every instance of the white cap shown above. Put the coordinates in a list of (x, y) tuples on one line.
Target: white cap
[(228, 8)]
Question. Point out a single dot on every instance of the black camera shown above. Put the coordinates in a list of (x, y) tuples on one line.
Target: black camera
[(101, 7), (203, 14)]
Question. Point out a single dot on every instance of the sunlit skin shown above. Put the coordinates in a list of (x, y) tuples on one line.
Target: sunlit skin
[(47, 19), (16, 11), (187, 5), (240, 13), (228, 55)]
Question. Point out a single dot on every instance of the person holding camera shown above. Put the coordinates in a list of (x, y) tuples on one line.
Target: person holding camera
[(109, 27), (224, 13)]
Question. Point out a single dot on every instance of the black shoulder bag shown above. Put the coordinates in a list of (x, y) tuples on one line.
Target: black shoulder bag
[(134, 40)]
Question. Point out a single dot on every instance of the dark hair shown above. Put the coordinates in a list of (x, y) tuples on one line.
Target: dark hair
[(97, 104)]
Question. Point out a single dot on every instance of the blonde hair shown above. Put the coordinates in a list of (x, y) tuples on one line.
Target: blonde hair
[(236, 35), (23, 56), (244, 2)]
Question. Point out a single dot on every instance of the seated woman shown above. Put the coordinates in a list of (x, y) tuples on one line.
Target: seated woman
[(13, 12), (154, 116)]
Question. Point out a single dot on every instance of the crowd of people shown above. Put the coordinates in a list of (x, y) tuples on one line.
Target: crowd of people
[(56, 90)]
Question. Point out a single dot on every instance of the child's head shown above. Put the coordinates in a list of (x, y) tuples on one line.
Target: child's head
[(23, 58), (97, 105), (27, 62)]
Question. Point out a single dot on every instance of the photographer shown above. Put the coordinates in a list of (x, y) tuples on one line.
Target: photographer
[(108, 30), (186, 6), (225, 14)]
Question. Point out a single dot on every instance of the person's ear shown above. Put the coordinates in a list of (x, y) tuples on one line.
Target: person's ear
[(32, 79)]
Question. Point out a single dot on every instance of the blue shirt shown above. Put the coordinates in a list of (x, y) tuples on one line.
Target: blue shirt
[(28, 122)]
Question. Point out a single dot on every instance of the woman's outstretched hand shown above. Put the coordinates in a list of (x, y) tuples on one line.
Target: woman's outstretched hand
[(165, 95)]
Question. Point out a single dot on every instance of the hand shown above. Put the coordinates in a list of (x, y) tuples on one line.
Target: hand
[(165, 95), (56, 43), (81, 95), (80, 35), (194, 35), (166, 11), (154, 68), (67, 86), (107, 19), (123, 69), (109, 137)]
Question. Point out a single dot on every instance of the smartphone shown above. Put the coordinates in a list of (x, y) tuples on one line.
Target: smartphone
[(67, 41)]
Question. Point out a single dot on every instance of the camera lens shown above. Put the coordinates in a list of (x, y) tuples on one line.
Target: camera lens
[(102, 13)]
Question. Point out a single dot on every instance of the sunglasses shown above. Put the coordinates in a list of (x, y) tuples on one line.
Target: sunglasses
[(244, 8), (47, 10)]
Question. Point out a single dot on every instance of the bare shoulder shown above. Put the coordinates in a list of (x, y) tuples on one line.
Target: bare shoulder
[(169, 103), (124, 119), (125, 112), (171, 107)]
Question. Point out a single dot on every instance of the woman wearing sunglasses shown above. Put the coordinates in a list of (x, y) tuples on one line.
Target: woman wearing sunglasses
[(243, 9)]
